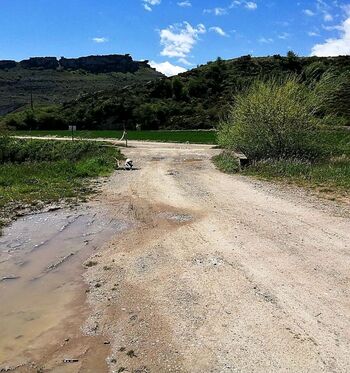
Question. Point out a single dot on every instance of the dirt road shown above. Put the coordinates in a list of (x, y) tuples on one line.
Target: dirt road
[(218, 274), (221, 274)]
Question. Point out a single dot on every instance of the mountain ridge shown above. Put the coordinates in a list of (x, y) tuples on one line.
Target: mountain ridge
[(48, 80)]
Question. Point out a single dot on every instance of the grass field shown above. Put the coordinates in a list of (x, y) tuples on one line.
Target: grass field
[(195, 137), (36, 173), (330, 176)]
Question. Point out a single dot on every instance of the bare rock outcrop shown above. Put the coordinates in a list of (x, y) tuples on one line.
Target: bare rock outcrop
[(101, 64), (7, 64), (40, 63), (122, 63)]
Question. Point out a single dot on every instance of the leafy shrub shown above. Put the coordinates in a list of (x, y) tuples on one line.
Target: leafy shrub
[(332, 95), (273, 119), (314, 71)]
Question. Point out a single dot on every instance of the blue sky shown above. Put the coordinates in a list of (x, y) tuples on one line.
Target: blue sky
[(173, 34)]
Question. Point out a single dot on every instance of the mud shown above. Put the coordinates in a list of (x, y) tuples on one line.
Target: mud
[(41, 287)]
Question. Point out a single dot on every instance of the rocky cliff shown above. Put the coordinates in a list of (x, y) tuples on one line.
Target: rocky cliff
[(101, 64), (92, 64), (7, 64)]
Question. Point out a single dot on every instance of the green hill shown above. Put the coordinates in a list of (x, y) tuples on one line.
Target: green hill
[(51, 81), (196, 99)]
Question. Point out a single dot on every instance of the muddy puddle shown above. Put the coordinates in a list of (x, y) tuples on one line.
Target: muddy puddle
[(41, 259)]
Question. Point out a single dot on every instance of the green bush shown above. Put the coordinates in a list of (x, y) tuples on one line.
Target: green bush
[(332, 97), (272, 120)]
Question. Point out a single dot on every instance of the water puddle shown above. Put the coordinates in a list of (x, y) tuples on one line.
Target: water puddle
[(41, 260)]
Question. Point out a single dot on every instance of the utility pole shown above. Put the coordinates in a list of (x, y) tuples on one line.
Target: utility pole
[(31, 97), (31, 93), (31, 104)]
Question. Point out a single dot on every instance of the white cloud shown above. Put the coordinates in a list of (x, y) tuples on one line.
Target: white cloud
[(251, 5), (309, 12), (335, 46), (321, 8), (167, 68), (216, 11), (178, 40), (99, 40), (283, 36), (324, 8), (264, 40), (218, 30), (148, 4), (184, 4), (327, 17), (313, 33)]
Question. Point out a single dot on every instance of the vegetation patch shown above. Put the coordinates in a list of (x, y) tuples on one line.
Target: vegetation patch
[(330, 178), (227, 162), (35, 173), (273, 119), (276, 124)]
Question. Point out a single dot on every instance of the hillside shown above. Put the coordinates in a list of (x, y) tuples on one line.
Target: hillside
[(53, 81), (196, 99)]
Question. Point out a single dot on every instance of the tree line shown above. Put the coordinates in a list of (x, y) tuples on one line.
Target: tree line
[(197, 99)]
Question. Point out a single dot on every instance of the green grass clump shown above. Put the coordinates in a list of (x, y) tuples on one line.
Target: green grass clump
[(227, 162), (34, 172), (330, 177), (195, 137)]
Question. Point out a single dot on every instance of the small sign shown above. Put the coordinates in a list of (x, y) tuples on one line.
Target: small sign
[(72, 128)]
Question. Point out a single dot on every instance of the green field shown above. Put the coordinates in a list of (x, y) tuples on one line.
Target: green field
[(195, 137)]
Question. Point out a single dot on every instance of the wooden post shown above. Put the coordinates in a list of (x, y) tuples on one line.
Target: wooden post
[(31, 104)]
